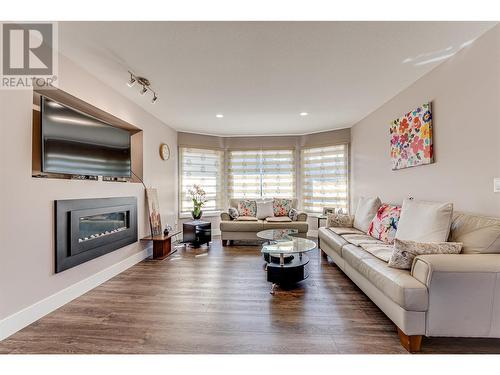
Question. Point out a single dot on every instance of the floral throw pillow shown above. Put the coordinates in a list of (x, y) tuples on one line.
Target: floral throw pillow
[(282, 206), (385, 223), (247, 208), (233, 213)]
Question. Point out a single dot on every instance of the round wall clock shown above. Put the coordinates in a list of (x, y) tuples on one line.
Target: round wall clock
[(164, 151)]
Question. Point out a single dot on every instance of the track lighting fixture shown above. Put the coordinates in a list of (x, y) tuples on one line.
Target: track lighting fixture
[(144, 83), (132, 80)]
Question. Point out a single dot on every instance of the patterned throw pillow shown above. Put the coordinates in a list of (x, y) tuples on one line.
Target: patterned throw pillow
[(233, 213), (293, 214), (405, 251), (339, 220), (385, 223), (247, 208), (282, 206)]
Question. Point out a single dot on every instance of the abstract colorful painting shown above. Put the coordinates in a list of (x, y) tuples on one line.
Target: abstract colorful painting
[(411, 138)]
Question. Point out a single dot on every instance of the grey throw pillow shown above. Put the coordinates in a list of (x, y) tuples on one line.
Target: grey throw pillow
[(339, 220), (233, 213), (405, 251), (293, 214)]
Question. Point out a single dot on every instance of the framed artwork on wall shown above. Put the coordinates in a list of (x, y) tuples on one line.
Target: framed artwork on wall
[(411, 138), (154, 211)]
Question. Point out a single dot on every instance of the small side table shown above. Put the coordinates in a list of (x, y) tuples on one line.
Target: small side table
[(162, 245), (197, 232), (321, 217)]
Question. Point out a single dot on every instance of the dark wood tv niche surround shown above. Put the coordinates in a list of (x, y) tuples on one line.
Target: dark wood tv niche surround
[(88, 228), (82, 106)]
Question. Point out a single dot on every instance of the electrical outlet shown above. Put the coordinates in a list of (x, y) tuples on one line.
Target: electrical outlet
[(496, 185)]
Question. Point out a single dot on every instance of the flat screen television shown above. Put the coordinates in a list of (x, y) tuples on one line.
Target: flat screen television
[(76, 143)]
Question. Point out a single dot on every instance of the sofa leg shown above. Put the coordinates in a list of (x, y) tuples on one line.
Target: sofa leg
[(224, 242), (410, 343)]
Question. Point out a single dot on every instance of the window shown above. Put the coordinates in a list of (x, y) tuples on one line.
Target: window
[(324, 178), (261, 173), (203, 167)]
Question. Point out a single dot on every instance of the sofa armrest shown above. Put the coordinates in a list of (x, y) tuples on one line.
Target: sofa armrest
[(302, 216), (426, 266), (463, 292), (224, 216)]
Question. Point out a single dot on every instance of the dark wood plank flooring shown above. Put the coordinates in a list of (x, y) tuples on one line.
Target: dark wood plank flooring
[(218, 301)]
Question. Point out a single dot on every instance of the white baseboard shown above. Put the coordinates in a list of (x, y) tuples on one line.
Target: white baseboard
[(30, 314)]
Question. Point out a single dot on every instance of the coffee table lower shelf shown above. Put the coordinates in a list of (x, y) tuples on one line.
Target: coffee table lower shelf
[(289, 273)]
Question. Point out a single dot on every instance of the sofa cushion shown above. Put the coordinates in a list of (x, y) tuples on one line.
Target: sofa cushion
[(282, 206), (341, 230), (358, 239), (247, 208), (246, 218), (301, 226), (380, 251), (293, 214), (330, 238), (423, 221), (278, 219), (478, 234), (242, 226), (365, 212), (385, 223), (264, 209), (398, 285)]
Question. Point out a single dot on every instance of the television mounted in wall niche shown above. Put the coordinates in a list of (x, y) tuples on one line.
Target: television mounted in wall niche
[(76, 143)]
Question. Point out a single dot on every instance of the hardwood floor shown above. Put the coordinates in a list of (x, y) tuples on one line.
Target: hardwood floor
[(218, 301)]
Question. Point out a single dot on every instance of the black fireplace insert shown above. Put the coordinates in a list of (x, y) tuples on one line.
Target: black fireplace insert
[(88, 228)]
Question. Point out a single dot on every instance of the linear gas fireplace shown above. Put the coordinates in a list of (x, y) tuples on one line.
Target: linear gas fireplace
[(89, 228)]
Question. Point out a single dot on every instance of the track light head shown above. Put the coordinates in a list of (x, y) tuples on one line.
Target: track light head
[(143, 90), (155, 98), (132, 81)]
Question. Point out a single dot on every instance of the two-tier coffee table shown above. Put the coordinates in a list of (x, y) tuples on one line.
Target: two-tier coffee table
[(287, 262)]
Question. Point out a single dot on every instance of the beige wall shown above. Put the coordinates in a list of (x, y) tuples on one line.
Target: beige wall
[(465, 95), (26, 204)]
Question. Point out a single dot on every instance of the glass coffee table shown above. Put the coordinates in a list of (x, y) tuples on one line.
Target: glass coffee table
[(289, 268), (273, 236)]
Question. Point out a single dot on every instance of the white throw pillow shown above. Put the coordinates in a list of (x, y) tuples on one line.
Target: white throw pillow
[(365, 212), (423, 221), (264, 209)]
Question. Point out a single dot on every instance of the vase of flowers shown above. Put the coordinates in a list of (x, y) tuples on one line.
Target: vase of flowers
[(199, 198)]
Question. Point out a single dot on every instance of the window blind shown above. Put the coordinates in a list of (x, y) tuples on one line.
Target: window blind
[(201, 167), (261, 173), (324, 172)]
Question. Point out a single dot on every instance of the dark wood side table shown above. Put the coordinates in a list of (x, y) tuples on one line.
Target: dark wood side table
[(162, 245), (197, 232)]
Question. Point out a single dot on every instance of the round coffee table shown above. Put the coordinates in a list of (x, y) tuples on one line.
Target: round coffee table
[(274, 235), (293, 271)]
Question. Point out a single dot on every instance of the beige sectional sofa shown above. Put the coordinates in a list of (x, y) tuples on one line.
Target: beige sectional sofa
[(452, 295), (247, 230)]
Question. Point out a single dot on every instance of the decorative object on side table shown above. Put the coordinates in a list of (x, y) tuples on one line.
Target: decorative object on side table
[(411, 138), (154, 211), (197, 232), (199, 198), (167, 230)]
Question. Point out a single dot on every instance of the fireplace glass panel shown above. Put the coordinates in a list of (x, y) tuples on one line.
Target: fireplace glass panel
[(97, 226)]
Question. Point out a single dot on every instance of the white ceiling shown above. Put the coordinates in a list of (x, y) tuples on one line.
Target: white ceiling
[(261, 75)]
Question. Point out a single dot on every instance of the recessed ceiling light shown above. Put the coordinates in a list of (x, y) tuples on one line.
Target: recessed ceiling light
[(219, 115), (304, 113)]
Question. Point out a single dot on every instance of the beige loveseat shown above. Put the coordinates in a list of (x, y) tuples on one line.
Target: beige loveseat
[(247, 230), (442, 295)]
